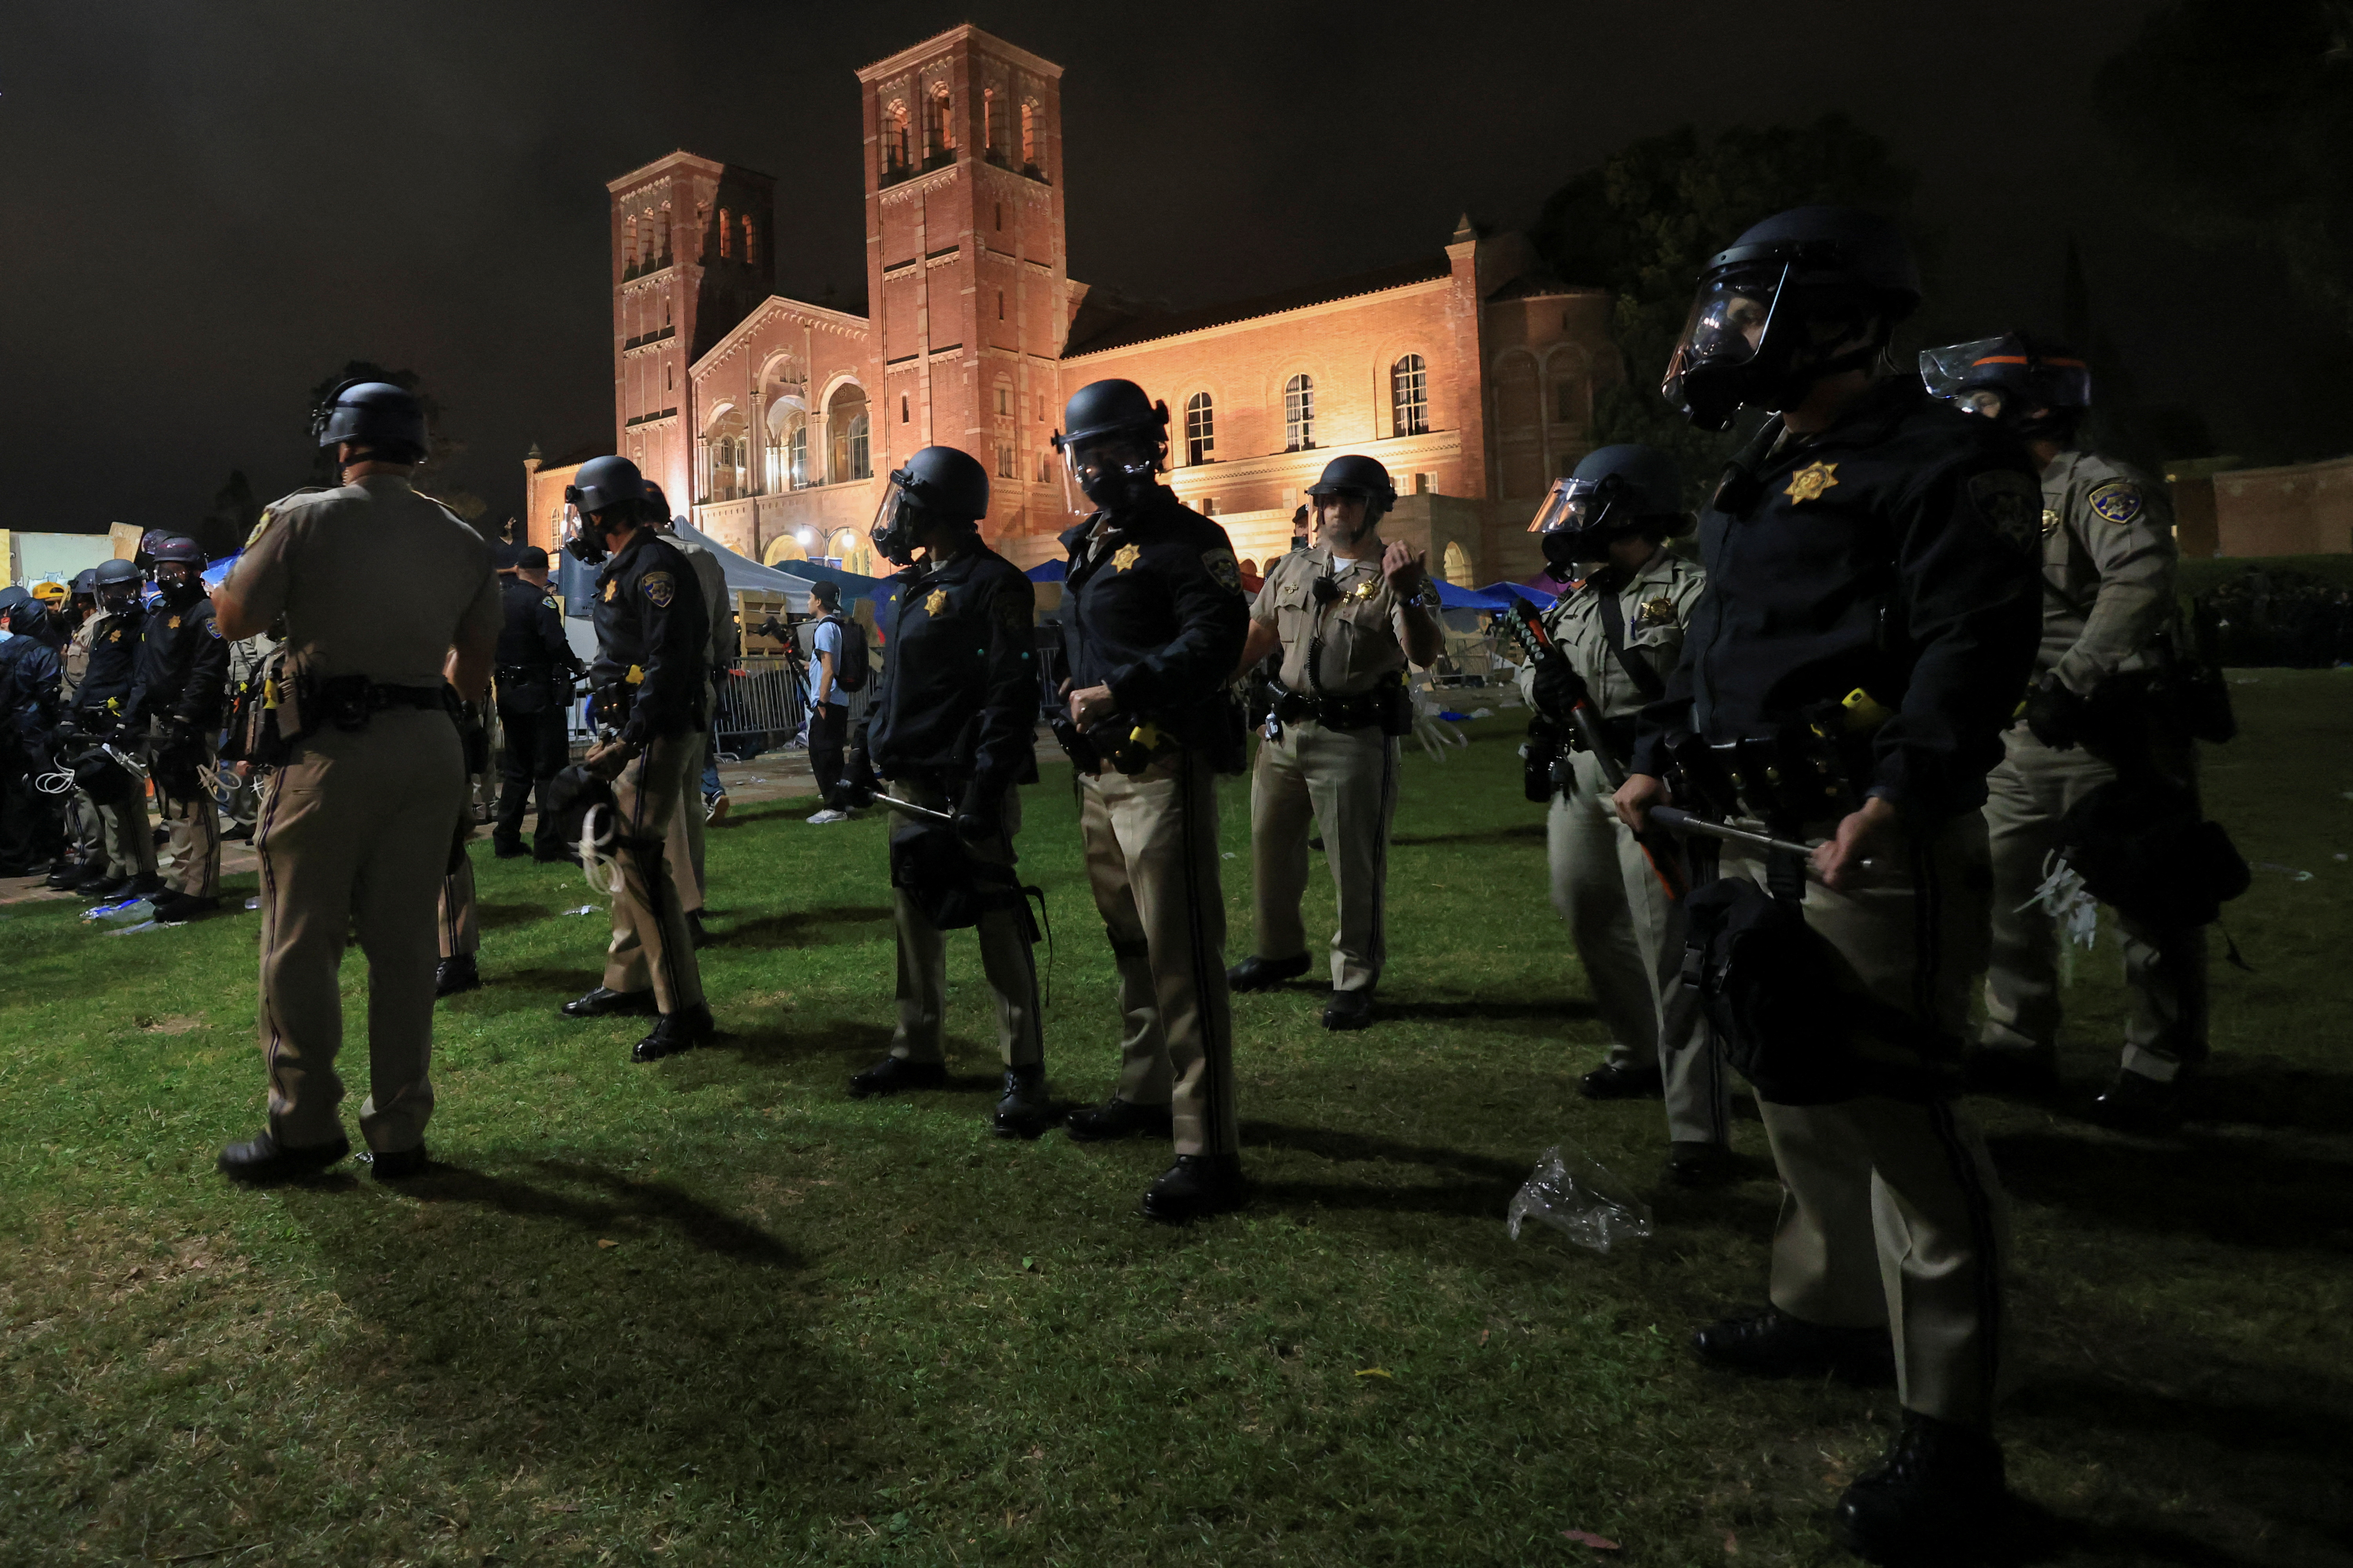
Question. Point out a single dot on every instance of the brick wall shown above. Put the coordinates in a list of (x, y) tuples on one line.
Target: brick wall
[(2305, 510)]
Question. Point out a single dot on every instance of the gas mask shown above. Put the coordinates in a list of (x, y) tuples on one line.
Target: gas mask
[(179, 586), (1581, 518), (1753, 339), (898, 520), (1111, 472)]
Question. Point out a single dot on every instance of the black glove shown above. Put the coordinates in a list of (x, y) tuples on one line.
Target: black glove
[(1557, 688), (981, 817), (2055, 712), (858, 781)]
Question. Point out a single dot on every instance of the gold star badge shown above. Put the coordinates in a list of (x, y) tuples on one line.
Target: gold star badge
[(1125, 556), (935, 601), (1809, 482)]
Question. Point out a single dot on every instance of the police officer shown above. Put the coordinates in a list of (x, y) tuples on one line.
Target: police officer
[(535, 670), (1346, 616), (30, 834), (175, 703), (1153, 625), (1620, 630), (651, 686), (1868, 622), (117, 797), (386, 597), (87, 855), (2108, 559), (951, 724)]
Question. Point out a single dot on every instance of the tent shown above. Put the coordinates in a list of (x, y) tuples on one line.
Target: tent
[(793, 581), (1506, 592), (1453, 598), (1049, 572)]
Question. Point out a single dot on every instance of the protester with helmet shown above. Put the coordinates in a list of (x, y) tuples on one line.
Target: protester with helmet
[(175, 704), (950, 724), (1619, 627), (2092, 717), (31, 825), (1869, 619), (1347, 616), (651, 694), (1153, 624), (117, 795), (386, 599), (85, 853)]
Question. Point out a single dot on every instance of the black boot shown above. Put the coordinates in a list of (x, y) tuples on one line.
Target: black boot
[(1196, 1185), (1612, 1081), (679, 1031), (456, 974), (266, 1160), (1117, 1118), (1698, 1164), (897, 1074), (1349, 1009), (179, 909), (98, 878), (603, 1003), (68, 875), (1771, 1343), (146, 887), (1023, 1111), (1256, 973), (508, 845), (398, 1164), (2135, 1102), (1937, 1497)]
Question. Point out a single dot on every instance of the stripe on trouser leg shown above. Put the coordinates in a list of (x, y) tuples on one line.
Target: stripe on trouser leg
[(1214, 1063), (1980, 1205)]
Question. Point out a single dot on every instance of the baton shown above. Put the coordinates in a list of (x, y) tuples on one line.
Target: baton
[(1677, 819), (911, 808)]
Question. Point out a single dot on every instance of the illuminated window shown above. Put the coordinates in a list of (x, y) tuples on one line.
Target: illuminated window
[(860, 465), (846, 417), (1004, 400), (895, 148), (1410, 395), (1299, 414), (796, 458), (938, 139), (1029, 134), (751, 243), (1004, 459), (988, 128), (726, 234), (1200, 429)]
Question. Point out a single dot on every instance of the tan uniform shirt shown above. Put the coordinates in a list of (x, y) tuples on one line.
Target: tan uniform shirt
[(1657, 605), (77, 658), (2108, 551), (712, 579), (372, 578), (1362, 631)]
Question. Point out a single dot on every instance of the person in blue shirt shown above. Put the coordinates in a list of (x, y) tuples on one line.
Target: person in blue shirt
[(829, 724)]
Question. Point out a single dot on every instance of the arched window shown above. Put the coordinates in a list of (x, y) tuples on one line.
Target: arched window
[(797, 473), (726, 234), (751, 243), (1029, 134), (845, 416), (1456, 565), (1299, 414), (938, 138), (895, 139), (1200, 429), (861, 467), (988, 121), (1409, 397)]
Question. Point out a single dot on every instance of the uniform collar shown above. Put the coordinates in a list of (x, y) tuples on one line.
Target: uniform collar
[(1334, 566), (2062, 467), (1881, 407)]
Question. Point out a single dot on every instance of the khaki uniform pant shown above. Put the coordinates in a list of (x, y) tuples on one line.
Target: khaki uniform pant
[(1890, 1210), (190, 863), (353, 838), (1347, 781), (651, 945), (1005, 956), (1630, 939), (684, 842), (2165, 970), (1151, 841), (87, 829), (123, 828)]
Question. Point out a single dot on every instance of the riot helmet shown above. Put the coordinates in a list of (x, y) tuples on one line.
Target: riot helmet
[(1617, 492), (85, 583), (940, 486), (606, 496), (1113, 445), (116, 583), (15, 602), (180, 570), (384, 421), (656, 509), (2034, 388), (1352, 477), (1808, 293)]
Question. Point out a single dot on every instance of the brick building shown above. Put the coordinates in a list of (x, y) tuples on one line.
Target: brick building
[(1467, 371)]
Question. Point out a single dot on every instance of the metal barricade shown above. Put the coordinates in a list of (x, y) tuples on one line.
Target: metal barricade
[(762, 706)]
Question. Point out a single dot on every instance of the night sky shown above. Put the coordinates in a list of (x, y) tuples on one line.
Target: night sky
[(208, 208)]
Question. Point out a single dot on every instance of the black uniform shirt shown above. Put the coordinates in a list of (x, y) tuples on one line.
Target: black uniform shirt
[(113, 659), (183, 667), (650, 621), (532, 638), (1153, 609), (29, 673), (956, 702), (1895, 553)]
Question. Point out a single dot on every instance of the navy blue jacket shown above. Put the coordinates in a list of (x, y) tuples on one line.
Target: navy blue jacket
[(1154, 609), (957, 703)]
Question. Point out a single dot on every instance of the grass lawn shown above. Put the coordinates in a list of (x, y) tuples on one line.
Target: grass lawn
[(710, 1311)]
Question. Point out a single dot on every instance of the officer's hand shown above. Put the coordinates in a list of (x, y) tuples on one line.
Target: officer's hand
[(981, 817), (1089, 706), (2055, 712), (606, 759), (1866, 837), (1636, 796), (1404, 568), (1556, 689)]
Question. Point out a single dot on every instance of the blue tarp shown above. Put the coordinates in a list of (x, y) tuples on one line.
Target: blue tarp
[(1049, 572), (1506, 591), (1454, 598)]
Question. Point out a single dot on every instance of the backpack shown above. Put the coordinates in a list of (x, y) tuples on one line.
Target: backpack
[(2144, 848), (852, 663)]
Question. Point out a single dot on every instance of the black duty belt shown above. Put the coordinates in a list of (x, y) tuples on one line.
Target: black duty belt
[(519, 674), (1362, 710)]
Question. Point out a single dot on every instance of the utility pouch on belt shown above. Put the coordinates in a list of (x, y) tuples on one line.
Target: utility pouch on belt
[(931, 865), (269, 727), (2143, 848), (1538, 760), (1769, 985)]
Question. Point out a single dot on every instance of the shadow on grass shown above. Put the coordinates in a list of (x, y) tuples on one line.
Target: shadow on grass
[(2226, 1190), (1436, 1010), (1518, 832), (1482, 1184), (2271, 1094), (799, 928), (496, 917), (658, 1203), (779, 1040)]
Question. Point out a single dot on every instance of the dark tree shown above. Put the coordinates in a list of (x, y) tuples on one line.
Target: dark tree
[(230, 520)]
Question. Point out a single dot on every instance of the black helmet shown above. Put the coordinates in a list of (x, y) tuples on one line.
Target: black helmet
[(657, 506), (939, 485), (1747, 341), (178, 547), (385, 419), (2034, 388), (1354, 474), (1113, 444), (1615, 493), (603, 485), (11, 596), (85, 582), (181, 551), (116, 580)]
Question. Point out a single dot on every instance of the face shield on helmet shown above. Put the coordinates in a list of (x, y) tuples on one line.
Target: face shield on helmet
[(1581, 518), (896, 519), (179, 581), (1108, 470), (1723, 359), (116, 597), (2010, 380)]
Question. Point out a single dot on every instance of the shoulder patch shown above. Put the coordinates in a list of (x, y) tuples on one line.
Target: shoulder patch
[(212, 628), (1223, 570), (2118, 500), (2011, 505), (260, 523), (660, 587)]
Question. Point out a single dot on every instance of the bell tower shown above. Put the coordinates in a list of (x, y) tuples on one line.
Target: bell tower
[(965, 266)]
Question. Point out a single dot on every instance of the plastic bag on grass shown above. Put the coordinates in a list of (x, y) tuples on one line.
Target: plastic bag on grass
[(1577, 1196)]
